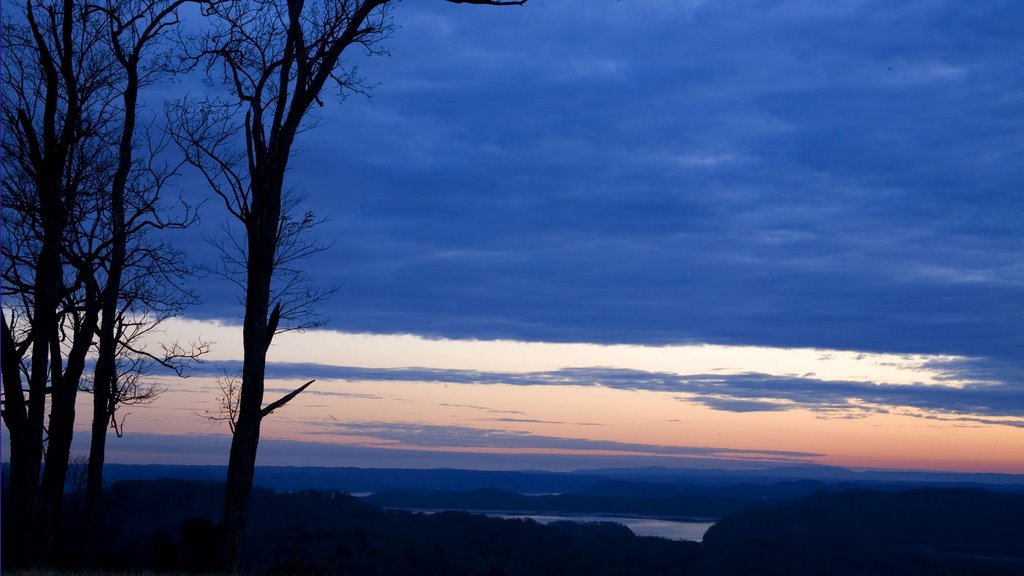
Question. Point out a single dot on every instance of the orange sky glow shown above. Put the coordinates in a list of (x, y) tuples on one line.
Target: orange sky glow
[(580, 420)]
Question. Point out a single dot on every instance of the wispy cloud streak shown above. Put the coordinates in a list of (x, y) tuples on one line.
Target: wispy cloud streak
[(1000, 401), (406, 435)]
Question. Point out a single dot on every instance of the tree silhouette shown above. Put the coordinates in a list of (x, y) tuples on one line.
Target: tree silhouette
[(142, 278), (51, 105), (275, 58), (78, 263)]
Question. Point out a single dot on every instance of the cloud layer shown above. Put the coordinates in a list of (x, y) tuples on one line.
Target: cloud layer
[(991, 402), (436, 437), (745, 172)]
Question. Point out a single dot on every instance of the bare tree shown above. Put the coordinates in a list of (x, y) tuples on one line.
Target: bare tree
[(275, 58), (53, 111), (143, 284), (77, 261), (227, 402)]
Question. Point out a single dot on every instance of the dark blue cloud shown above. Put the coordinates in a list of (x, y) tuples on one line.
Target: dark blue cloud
[(727, 404), (988, 398), (842, 175), (211, 449), (408, 435)]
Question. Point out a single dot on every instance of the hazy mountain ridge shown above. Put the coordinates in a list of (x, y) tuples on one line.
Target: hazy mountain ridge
[(621, 497), (359, 480), (636, 503)]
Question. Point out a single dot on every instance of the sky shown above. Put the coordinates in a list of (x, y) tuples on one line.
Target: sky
[(585, 233)]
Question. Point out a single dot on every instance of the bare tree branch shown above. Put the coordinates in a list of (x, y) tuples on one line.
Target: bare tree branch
[(284, 400)]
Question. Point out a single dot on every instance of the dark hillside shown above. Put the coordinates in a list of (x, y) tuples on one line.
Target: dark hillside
[(928, 531), (333, 533), (169, 525)]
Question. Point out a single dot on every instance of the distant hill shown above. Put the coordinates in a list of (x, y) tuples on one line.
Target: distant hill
[(845, 533), (615, 498), (322, 533), (171, 526), (652, 492), (369, 480), (1014, 482), (621, 497), (360, 480), (924, 531)]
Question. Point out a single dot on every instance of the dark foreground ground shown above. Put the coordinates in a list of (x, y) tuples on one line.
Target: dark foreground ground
[(168, 526)]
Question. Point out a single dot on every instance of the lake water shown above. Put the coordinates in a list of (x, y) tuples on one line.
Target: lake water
[(671, 529)]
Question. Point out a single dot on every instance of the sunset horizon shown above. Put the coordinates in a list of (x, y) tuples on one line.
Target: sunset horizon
[(516, 287), (406, 401)]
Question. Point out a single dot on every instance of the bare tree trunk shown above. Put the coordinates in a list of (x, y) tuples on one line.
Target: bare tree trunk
[(44, 333), (21, 491), (62, 427), (257, 332), (241, 469), (58, 136), (105, 379), (94, 478)]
